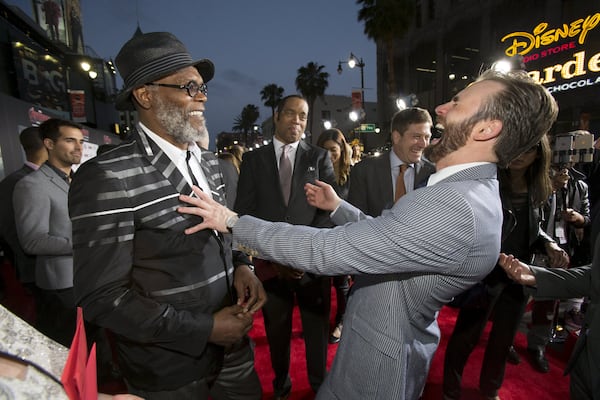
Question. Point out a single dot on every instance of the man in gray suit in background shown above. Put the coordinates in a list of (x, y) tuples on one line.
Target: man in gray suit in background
[(373, 181), (44, 228), (433, 244)]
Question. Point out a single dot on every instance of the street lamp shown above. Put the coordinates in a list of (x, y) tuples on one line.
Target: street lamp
[(353, 62)]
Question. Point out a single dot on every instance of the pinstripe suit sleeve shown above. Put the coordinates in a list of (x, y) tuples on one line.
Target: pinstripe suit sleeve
[(408, 238)]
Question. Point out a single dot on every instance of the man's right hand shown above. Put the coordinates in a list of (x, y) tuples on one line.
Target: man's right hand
[(230, 324), (322, 195)]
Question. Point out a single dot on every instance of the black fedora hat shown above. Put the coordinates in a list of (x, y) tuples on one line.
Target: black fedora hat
[(150, 56)]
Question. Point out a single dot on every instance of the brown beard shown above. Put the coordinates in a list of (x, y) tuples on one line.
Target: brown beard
[(454, 137)]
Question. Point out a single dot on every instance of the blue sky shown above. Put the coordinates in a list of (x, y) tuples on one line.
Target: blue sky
[(252, 43)]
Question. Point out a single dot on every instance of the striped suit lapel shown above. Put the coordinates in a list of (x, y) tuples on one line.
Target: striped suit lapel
[(161, 161), (212, 172)]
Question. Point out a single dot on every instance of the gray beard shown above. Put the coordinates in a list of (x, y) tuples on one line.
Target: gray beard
[(180, 128)]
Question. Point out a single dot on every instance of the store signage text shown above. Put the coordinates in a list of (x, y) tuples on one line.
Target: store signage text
[(524, 42), (549, 52), (573, 85), (570, 69)]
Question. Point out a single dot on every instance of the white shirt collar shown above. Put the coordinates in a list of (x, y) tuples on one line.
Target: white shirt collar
[(278, 144), (172, 151), (395, 161), (451, 170)]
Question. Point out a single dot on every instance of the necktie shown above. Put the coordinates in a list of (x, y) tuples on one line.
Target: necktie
[(285, 174), (400, 188), (187, 163)]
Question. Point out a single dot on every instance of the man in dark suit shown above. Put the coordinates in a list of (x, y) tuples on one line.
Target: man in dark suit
[(44, 228), (180, 306), (264, 193), (35, 155), (373, 181), (558, 283)]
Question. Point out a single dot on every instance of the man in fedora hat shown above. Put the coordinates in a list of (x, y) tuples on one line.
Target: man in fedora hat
[(180, 306)]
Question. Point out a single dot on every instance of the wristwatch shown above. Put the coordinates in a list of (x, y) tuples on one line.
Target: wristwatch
[(231, 221)]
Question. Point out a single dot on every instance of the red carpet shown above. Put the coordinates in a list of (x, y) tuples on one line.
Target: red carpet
[(521, 382)]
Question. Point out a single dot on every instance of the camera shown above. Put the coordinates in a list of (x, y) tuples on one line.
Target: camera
[(572, 148)]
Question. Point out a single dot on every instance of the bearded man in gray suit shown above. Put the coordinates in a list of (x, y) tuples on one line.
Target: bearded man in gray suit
[(433, 244)]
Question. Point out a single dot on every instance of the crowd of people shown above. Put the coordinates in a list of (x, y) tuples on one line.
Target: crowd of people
[(170, 250)]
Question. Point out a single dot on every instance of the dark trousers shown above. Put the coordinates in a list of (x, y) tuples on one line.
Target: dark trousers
[(313, 299), (506, 305), (237, 380), (583, 385), (56, 314), (538, 335), (341, 284)]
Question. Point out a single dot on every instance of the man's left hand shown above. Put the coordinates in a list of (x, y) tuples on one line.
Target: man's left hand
[(557, 256), (250, 292), (214, 214)]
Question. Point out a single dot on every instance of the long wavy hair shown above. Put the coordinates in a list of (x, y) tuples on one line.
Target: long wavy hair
[(342, 166)]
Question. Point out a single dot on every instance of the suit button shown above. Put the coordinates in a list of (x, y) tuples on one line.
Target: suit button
[(287, 218)]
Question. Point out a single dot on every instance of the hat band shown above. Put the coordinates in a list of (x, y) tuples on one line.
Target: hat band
[(155, 68)]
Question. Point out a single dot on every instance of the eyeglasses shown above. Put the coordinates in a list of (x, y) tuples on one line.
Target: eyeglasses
[(192, 87)]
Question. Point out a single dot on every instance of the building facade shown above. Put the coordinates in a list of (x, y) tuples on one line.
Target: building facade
[(46, 71), (451, 41)]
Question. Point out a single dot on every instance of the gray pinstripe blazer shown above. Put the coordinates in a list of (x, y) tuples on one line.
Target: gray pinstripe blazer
[(433, 244)]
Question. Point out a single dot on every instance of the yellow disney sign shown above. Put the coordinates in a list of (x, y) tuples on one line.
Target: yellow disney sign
[(524, 42), (574, 68)]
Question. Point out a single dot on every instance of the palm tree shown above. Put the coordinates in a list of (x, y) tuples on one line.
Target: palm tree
[(271, 95), (246, 120), (385, 21), (311, 82)]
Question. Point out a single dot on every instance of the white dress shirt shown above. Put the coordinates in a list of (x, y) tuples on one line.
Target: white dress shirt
[(291, 153), (178, 157)]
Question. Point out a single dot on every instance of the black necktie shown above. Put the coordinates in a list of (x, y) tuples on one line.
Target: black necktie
[(187, 162)]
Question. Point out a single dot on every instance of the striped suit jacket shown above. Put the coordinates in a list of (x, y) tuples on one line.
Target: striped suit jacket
[(137, 273), (433, 244)]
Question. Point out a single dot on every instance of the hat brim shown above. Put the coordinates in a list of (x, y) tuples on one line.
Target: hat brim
[(124, 102)]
